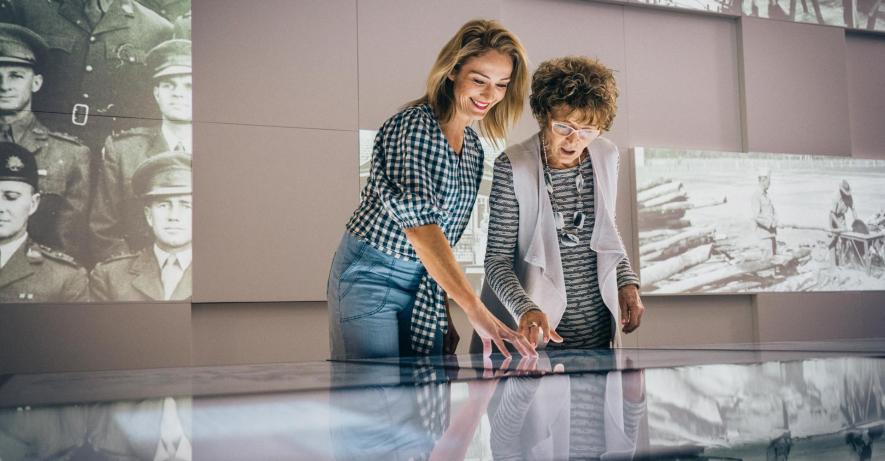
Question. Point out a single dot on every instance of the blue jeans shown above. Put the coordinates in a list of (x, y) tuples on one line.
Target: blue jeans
[(371, 295)]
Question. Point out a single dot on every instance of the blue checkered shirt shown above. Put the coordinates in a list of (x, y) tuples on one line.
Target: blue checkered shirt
[(417, 179)]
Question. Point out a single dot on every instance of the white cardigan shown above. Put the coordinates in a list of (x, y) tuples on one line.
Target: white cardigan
[(539, 264)]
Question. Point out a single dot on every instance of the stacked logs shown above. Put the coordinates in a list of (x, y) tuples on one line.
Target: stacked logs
[(668, 244)]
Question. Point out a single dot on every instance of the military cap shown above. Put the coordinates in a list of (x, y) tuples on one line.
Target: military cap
[(172, 57), (17, 164), (169, 173), (20, 45)]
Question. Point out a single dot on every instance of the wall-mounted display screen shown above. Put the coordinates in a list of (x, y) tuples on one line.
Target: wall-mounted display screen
[(719, 222), (99, 93), (858, 14)]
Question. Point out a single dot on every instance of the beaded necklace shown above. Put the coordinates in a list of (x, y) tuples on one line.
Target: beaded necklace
[(566, 238)]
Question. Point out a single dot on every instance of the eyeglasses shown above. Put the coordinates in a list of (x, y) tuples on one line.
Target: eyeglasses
[(586, 134)]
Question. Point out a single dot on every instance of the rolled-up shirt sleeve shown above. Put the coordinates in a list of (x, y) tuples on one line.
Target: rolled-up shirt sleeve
[(409, 191)]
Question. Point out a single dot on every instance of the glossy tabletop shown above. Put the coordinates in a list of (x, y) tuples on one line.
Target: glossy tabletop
[(796, 401)]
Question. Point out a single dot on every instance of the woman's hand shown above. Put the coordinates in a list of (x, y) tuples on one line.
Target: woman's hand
[(533, 321), (491, 330), (631, 308)]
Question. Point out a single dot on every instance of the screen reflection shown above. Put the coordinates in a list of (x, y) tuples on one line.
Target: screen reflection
[(561, 405), (154, 430)]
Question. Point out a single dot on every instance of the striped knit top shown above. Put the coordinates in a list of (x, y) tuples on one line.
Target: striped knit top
[(586, 322)]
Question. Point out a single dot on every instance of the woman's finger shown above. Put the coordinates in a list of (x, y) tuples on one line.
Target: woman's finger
[(533, 334), (501, 347), (486, 349), (521, 344), (553, 335)]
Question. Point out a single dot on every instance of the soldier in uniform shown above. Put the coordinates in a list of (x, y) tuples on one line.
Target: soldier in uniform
[(96, 54), (30, 272), (764, 214), (161, 271), (62, 161), (116, 220), (169, 9)]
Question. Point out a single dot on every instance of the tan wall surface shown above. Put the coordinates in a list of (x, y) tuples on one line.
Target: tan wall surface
[(282, 86), (94, 337), (795, 87)]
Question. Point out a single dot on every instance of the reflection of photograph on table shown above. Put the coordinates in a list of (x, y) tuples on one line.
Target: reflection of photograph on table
[(717, 222), (154, 429), (818, 409)]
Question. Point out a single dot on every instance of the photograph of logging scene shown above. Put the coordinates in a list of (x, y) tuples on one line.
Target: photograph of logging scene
[(719, 222)]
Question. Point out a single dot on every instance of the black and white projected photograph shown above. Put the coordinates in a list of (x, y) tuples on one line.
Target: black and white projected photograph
[(721, 222), (470, 251), (800, 410), (95, 150), (714, 6), (852, 14)]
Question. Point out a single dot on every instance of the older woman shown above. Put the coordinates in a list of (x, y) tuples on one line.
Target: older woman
[(394, 266), (555, 260)]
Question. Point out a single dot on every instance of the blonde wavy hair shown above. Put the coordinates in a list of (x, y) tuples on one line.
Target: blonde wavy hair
[(580, 83), (475, 38)]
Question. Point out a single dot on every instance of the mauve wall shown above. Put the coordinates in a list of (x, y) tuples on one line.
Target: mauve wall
[(283, 86)]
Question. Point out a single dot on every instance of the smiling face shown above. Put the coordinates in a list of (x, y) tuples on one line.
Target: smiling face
[(173, 96), (480, 83), (564, 150), (171, 220), (17, 84), (17, 203)]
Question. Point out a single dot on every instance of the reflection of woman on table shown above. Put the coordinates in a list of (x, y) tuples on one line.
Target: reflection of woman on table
[(584, 416), (554, 258), (394, 266)]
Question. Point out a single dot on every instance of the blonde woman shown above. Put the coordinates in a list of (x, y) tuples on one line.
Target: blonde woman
[(394, 266)]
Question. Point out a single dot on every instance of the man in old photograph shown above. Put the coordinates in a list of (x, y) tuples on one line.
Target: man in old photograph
[(62, 161), (116, 220), (161, 271), (843, 204), (94, 68), (764, 215), (30, 272)]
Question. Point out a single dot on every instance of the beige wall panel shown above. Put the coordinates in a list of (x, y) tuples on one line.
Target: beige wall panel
[(866, 94), (696, 320), (270, 206), (94, 337), (242, 333), (276, 62), (795, 87), (559, 28), (820, 316), (683, 80), (398, 42)]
